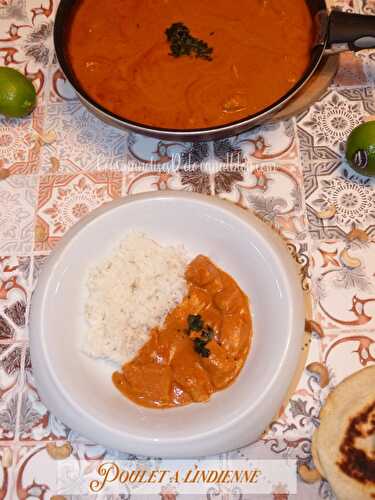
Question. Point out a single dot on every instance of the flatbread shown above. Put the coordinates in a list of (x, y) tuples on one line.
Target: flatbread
[(343, 447)]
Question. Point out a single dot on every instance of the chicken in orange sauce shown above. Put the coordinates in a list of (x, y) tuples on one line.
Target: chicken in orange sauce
[(200, 348)]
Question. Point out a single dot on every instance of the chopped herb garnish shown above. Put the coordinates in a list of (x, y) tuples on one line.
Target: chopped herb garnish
[(195, 322), (200, 347), (183, 44)]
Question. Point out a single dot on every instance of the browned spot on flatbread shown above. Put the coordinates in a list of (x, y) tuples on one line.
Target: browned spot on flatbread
[(355, 463)]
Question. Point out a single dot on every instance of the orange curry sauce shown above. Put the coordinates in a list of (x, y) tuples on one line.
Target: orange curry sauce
[(121, 57), (168, 371)]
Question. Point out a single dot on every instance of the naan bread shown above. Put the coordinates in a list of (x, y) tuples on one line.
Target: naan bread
[(343, 447)]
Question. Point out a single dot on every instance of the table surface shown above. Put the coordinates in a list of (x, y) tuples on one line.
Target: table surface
[(61, 162)]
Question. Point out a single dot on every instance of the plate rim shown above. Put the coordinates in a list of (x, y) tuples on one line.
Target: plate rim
[(41, 371)]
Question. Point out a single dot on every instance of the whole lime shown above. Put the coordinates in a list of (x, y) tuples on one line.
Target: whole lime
[(360, 149), (17, 93)]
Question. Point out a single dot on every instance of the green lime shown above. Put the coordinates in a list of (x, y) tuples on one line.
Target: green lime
[(17, 93), (360, 149)]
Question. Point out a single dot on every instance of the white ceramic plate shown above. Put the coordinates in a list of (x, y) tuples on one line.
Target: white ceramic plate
[(79, 390)]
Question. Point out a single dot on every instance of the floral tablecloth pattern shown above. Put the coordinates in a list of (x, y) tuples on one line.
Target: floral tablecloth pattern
[(60, 163)]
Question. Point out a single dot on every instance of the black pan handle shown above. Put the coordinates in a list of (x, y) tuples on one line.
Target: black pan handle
[(355, 30)]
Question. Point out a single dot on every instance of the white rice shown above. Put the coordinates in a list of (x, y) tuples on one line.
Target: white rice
[(130, 293)]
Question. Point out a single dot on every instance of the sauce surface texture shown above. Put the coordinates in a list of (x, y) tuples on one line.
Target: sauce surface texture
[(120, 55), (176, 367)]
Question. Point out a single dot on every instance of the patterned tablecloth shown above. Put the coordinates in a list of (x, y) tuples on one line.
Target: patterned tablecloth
[(60, 163)]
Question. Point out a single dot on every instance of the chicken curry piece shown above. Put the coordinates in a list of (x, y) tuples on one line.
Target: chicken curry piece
[(201, 347)]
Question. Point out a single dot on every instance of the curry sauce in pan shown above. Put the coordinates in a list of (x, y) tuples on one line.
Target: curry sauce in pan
[(187, 64), (201, 347)]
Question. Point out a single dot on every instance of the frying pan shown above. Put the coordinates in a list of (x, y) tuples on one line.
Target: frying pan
[(335, 32)]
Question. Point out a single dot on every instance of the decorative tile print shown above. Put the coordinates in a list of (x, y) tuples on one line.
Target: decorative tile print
[(18, 195), (26, 37), (20, 143), (300, 253), (271, 142), (271, 449), (80, 139), (334, 193), (35, 421), (37, 464), (343, 5), (159, 165), (367, 6), (343, 285), (141, 182), (64, 199), (347, 353), (225, 168), (272, 190), (147, 152), (292, 174), (10, 365), (366, 95), (317, 160), (14, 294), (196, 179), (331, 120), (59, 89), (268, 181), (289, 434), (337, 201), (34, 473), (275, 141)]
